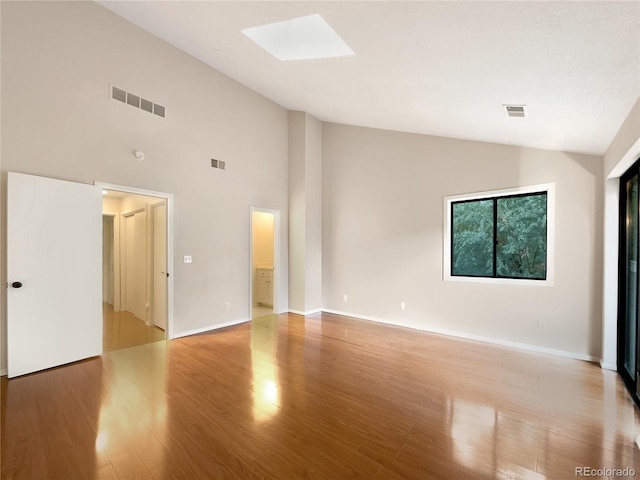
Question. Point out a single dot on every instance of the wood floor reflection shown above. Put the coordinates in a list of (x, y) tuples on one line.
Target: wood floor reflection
[(125, 330), (326, 397)]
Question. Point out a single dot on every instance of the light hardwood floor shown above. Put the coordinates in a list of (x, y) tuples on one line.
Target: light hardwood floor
[(325, 397), (124, 330), (260, 311)]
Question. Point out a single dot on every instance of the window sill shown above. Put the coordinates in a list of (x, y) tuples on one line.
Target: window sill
[(500, 281)]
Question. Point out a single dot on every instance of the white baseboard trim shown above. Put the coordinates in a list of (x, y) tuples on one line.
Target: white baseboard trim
[(210, 328), (469, 336), (608, 366), (308, 312), (3, 372)]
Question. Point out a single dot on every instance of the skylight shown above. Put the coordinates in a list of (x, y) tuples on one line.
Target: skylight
[(299, 39)]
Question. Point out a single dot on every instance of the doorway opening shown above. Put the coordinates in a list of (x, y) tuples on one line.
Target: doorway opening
[(136, 254), (264, 248)]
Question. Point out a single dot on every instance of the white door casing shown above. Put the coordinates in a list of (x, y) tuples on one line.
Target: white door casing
[(160, 265), (276, 280), (169, 201), (54, 248)]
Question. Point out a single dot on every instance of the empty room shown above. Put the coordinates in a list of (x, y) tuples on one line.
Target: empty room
[(328, 240)]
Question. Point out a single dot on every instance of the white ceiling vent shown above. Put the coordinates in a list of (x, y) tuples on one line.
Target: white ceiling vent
[(515, 110)]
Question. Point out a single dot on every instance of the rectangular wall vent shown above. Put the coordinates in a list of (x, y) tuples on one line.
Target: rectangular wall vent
[(137, 101), (218, 163), (158, 110), (515, 110), (146, 105), (133, 100), (119, 95)]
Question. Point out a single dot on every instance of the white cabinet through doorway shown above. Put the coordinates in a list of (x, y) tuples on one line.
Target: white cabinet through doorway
[(264, 286)]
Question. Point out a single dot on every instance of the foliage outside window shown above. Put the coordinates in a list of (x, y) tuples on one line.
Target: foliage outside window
[(500, 237)]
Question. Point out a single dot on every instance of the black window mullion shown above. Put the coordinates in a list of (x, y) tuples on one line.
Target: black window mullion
[(453, 229)]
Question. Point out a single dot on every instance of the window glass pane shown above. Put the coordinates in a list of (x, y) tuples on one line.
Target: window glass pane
[(472, 242), (631, 267), (522, 237)]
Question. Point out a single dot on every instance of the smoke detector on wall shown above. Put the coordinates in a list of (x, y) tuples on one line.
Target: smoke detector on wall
[(515, 110)]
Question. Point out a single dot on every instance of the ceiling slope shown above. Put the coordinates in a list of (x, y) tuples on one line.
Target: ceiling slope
[(438, 68)]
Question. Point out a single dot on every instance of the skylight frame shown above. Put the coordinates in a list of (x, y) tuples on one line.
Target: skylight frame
[(303, 38)]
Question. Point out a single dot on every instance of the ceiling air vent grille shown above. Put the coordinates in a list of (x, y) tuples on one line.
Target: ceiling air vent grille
[(137, 101), (515, 110)]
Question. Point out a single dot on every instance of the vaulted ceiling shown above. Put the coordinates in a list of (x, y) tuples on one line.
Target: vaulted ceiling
[(438, 68)]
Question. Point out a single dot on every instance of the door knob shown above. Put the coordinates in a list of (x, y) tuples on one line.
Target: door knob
[(16, 284)]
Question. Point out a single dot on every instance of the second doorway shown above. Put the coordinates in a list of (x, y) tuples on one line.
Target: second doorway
[(134, 269), (263, 272)]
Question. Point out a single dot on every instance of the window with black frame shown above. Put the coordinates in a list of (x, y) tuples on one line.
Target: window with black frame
[(500, 237)]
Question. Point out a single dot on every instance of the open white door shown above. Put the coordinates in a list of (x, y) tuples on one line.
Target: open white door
[(54, 272)]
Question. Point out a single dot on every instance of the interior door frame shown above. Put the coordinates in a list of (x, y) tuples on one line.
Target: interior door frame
[(168, 198), (152, 218), (277, 277)]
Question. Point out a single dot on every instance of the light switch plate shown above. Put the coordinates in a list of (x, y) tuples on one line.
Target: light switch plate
[(187, 259)]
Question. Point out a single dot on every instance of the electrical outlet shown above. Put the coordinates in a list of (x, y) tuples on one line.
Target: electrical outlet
[(402, 306), (227, 306), (345, 298), (188, 259)]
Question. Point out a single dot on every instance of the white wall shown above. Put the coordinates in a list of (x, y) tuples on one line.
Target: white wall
[(111, 205), (621, 154), (297, 208), (305, 217), (383, 237), (382, 192), (313, 215), (132, 202), (58, 59), (3, 269)]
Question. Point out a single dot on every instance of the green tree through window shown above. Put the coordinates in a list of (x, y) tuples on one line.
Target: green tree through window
[(500, 237), (473, 238)]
